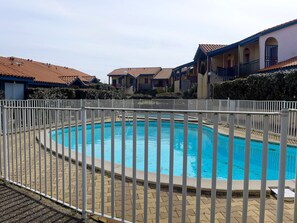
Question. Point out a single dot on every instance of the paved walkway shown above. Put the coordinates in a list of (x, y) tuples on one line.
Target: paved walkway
[(21, 205), (26, 173)]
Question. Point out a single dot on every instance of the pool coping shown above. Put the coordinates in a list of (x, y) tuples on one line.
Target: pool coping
[(206, 184)]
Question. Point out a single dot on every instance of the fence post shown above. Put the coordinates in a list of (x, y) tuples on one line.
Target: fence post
[(228, 109), (282, 165), (220, 109), (4, 125), (84, 164)]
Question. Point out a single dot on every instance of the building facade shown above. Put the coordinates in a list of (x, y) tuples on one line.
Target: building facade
[(245, 57)]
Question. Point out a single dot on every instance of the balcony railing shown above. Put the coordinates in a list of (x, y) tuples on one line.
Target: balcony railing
[(229, 73), (249, 68)]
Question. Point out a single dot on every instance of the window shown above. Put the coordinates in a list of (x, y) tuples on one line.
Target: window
[(271, 52), (131, 81), (146, 80)]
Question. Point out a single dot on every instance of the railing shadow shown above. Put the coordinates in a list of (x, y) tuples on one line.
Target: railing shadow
[(16, 206)]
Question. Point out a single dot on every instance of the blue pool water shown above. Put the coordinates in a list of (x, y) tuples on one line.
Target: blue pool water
[(222, 168)]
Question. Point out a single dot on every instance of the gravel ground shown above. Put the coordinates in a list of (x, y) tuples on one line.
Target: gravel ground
[(20, 205)]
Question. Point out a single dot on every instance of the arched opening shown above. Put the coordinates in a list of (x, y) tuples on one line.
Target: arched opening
[(229, 61), (246, 55), (271, 52), (202, 68)]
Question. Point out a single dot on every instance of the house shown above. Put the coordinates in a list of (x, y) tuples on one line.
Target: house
[(13, 82), (184, 77), (133, 80), (163, 80), (247, 56), (17, 74)]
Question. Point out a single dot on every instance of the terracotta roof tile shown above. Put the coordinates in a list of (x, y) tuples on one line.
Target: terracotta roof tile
[(9, 71), (292, 62), (87, 78), (42, 72), (210, 47), (135, 72), (165, 73)]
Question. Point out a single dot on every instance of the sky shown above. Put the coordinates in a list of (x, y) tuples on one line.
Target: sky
[(97, 36)]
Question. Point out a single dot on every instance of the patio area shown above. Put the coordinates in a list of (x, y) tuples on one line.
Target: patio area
[(21, 205)]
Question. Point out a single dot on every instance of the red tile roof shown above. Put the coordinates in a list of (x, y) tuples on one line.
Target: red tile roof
[(165, 73), (41, 72), (12, 72), (292, 62), (135, 72), (210, 47)]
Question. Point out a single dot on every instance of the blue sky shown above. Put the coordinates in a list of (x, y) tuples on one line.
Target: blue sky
[(97, 36)]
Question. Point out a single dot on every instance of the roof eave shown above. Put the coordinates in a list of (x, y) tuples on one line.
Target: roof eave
[(279, 27), (223, 49), (184, 65)]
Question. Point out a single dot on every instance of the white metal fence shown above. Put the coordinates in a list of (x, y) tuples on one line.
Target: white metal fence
[(72, 175), (182, 104)]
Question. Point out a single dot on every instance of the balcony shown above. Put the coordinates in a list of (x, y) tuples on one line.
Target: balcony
[(229, 73), (249, 68)]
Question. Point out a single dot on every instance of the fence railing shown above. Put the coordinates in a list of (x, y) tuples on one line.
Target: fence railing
[(181, 104), (86, 158)]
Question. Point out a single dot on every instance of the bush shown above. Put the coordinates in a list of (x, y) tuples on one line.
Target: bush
[(281, 85), (72, 93), (168, 95), (141, 96), (191, 93), (151, 92)]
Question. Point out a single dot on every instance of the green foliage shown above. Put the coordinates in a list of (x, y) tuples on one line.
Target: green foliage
[(191, 93), (171, 89), (141, 96), (281, 85), (168, 95), (151, 92), (73, 93), (101, 86), (160, 90)]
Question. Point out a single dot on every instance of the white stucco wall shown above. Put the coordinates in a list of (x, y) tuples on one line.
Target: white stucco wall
[(287, 44), (254, 51)]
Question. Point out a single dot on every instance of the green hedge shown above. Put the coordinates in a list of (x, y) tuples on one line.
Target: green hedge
[(72, 93), (169, 95), (191, 93), (281, 85)]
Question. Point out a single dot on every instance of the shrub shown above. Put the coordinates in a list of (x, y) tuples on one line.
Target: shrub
[(168, 95), (191, 93), (280, 85), (141, 96), (73, 93)]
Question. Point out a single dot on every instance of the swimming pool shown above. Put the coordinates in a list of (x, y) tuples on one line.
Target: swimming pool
[(222, 162)]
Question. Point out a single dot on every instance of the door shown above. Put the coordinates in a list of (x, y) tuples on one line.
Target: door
[(14, 91)]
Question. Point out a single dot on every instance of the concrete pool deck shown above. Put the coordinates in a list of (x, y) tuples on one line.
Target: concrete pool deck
[(236, 209)]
